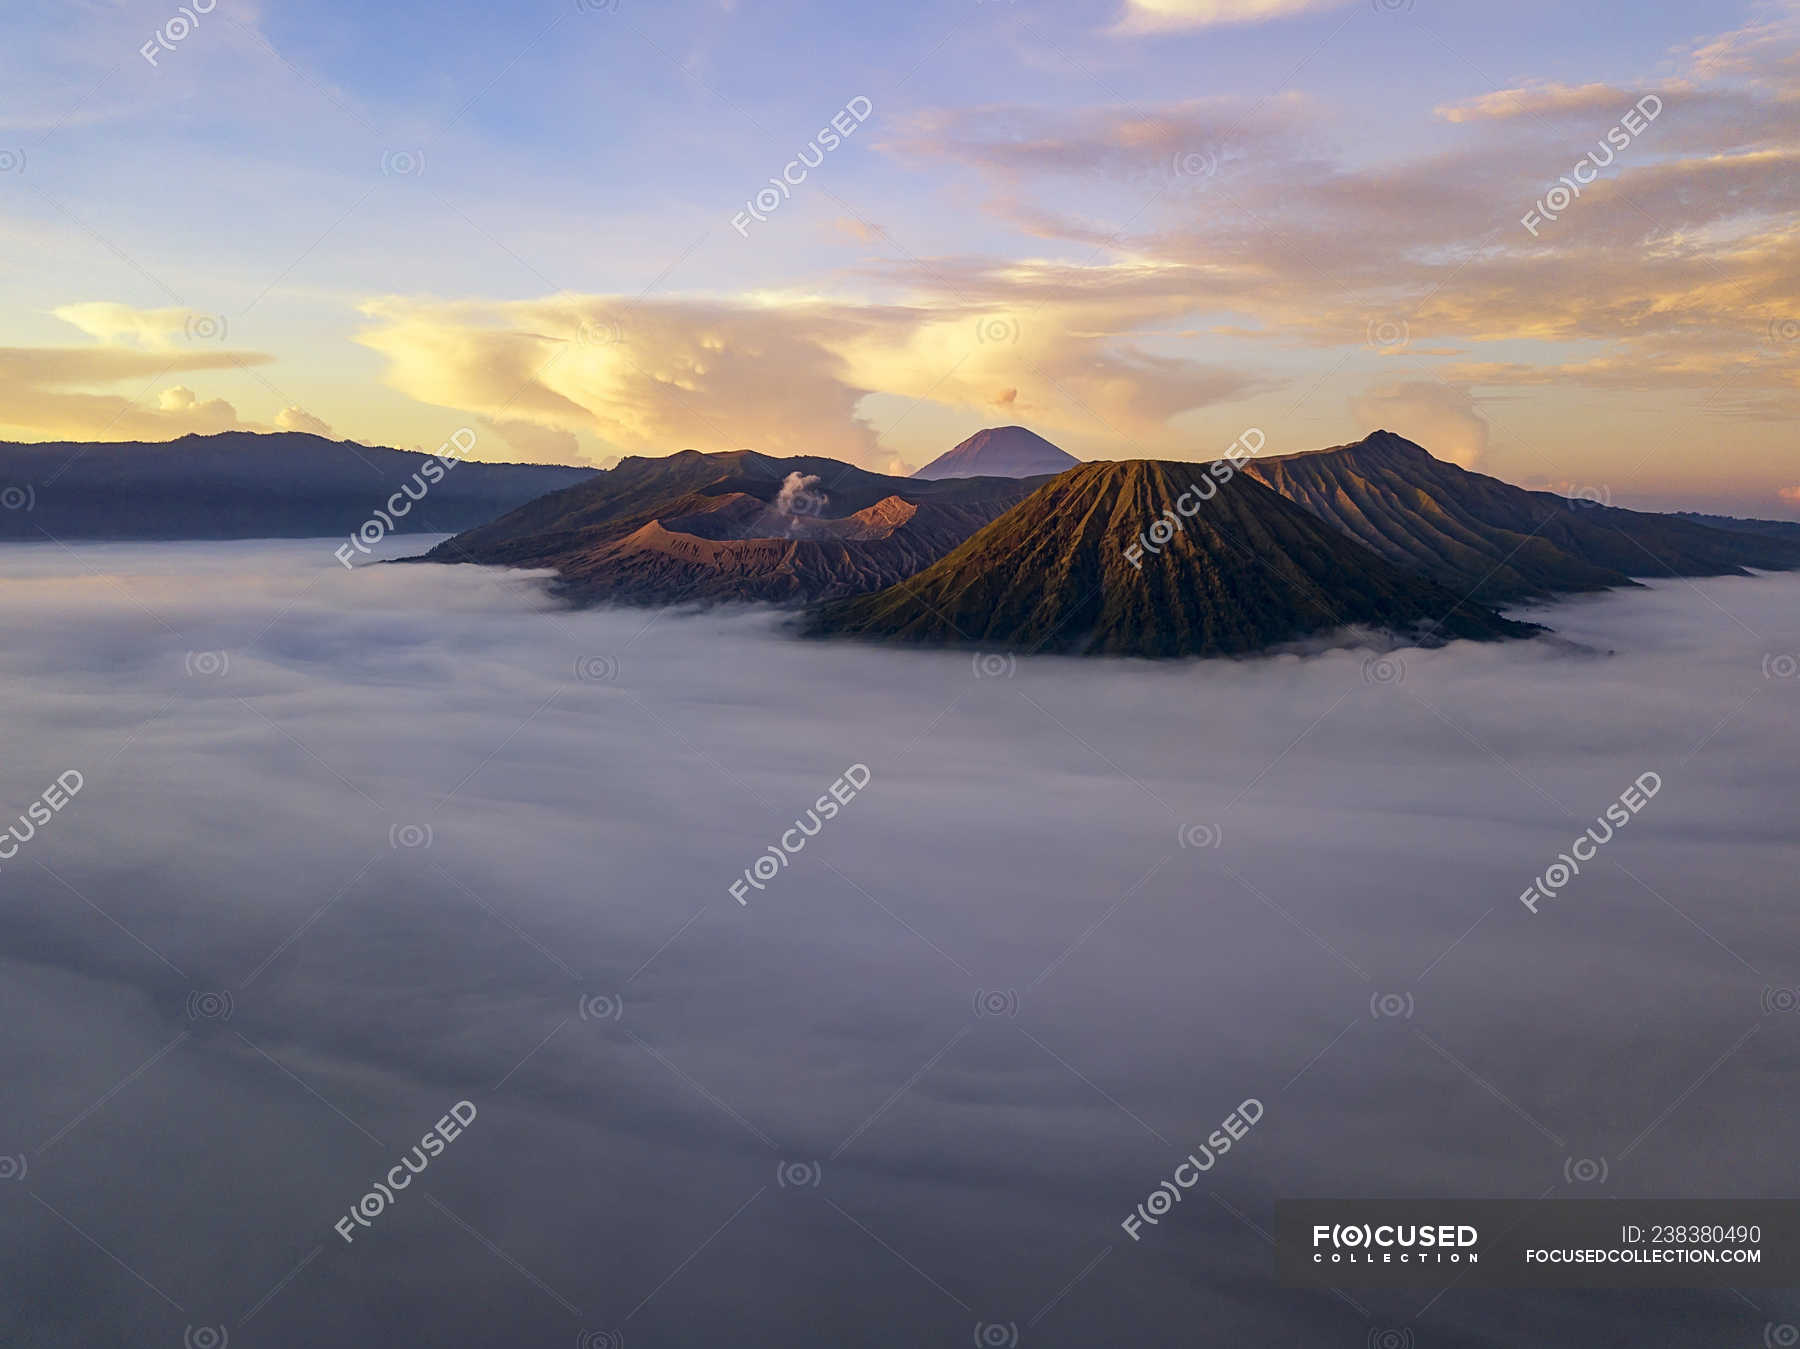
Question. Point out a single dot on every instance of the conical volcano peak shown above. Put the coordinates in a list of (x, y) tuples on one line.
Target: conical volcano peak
[(1000, 452)]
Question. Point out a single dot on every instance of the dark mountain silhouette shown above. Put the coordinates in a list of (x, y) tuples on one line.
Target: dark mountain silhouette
[(1492, 541), (1737, 524), (696, 527), (243, 484), (1242, 569), (1000, 451)]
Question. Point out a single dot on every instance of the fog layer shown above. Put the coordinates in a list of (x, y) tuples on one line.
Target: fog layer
[(352, 848)]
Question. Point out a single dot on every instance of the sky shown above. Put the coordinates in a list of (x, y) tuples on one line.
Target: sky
[(353, 847), (1136, 226)]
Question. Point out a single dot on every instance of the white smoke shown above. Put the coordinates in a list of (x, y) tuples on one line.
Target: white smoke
[(797, 496)]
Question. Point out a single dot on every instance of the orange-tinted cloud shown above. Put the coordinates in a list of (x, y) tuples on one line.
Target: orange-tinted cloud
[(1436, 415)]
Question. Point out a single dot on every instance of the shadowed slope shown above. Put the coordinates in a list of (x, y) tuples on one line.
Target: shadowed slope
[(1495, 542), (1246, 570), (246, 484)]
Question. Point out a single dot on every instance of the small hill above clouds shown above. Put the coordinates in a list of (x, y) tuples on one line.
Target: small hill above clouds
[(1000, 451), (1242, 569), (1496, 542)]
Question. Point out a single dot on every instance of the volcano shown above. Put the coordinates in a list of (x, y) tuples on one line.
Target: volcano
[(1002, 452), (1160, 559), (736, 526)]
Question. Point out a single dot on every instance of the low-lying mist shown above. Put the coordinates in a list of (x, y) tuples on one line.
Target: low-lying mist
[(351, 848)]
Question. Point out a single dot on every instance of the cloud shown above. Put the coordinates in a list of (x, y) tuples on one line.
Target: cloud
[(156, 329), (197, 415), (47, 393), (860, 230), (1171, 146), (1659, 277), (1436, 415), (1790, 494), (1765, 53), (1017, 834), (56, 393), (787, 375), (299, 419), (1538, 100), (1165, 16), (535, 444)]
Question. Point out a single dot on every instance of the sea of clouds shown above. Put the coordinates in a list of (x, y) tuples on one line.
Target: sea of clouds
[(353, 848)]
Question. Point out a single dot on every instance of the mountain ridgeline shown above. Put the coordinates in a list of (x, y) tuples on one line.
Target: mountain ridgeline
[(1496, 543), (247, 485), (1004, 541)]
